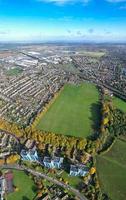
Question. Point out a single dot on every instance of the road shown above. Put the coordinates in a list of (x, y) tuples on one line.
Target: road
[(45, 176), (11, 134)]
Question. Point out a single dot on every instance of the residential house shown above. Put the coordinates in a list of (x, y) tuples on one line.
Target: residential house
[(30, 155), (9, 181), (30, 144), (52, 163), (57, 162), (78, 170)]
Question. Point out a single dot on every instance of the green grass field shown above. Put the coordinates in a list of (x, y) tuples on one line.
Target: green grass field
[(111, 168), (25, 186), (69, 67), (72, 180), (119, 103), (14, 72), (2, 103), (75, 112), (96, 54)]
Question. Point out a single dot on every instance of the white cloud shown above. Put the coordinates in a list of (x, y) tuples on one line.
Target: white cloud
[(116, 1), (62, 2)]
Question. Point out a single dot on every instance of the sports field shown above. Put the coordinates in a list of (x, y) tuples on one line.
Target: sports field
[(75, 112), (25, 187), (119, 103), (96, 54), (111, 168), (14, 72)]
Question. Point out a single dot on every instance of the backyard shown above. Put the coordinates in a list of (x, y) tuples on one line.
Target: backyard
[(25, 187)]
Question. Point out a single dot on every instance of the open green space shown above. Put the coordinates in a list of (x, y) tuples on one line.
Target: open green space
[(2, 103), (119, 103), (72, 180), (25, 187), (14, 72), (75, 112), (111, 169), (69, 67), (97, 54)]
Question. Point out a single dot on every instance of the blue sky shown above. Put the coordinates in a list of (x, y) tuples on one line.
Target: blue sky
[(79, 20)]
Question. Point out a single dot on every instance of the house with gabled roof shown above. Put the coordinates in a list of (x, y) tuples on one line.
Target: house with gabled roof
[(55, 162), (78, 170), (9, 181), (30, 155), (47, 162)]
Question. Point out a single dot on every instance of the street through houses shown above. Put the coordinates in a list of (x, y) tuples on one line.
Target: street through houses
[(45, 176), (11, 134)]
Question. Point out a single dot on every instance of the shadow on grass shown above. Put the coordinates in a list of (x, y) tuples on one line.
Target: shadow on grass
[(25, 198), (34, 188), (95, 118), (67, 164)]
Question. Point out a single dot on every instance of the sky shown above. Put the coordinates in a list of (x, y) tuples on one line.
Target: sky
[(63, 20)]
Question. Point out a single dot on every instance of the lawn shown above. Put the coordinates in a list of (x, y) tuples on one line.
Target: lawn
[(25, 185), (14, 72), (69, 67), (75, 112), (119, 103), (96, 54), (2, 103), (111, 168), (72, 180)]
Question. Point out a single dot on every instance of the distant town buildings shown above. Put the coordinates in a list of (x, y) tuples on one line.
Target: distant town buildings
[(39, 73), (124, 71), (35, 80)]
